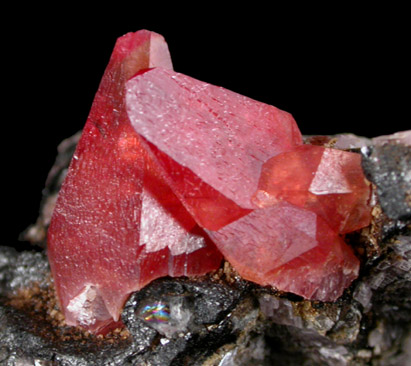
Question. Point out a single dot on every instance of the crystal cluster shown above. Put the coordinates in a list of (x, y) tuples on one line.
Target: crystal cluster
[(172, 173)]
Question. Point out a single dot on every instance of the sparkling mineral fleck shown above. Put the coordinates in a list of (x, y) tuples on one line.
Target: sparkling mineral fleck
[(169, 315)]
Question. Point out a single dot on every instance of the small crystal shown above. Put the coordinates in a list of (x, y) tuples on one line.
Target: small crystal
[(326, 181), (169, 316)]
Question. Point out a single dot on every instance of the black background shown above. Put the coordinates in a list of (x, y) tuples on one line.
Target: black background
[(340, 70)]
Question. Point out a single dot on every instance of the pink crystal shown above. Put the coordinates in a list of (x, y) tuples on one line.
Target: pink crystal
[(326, 181), (291, 249), (163, 156), (210, 141), (115, 210)]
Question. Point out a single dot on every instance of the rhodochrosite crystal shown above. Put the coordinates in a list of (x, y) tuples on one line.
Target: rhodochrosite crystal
[(164, 156), (117, 225), (213, 143), (290, 248), (210, 141), (328, 182)]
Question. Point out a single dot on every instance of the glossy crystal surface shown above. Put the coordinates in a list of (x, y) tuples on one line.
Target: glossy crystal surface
[(329, 182), (290, 248), (210, 141)]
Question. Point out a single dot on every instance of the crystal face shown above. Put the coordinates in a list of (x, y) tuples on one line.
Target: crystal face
[(326, 181), (291, 249), (210, 141), (171, 174)]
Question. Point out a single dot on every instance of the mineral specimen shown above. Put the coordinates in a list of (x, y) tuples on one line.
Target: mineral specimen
[(114, 209), (164, 156)]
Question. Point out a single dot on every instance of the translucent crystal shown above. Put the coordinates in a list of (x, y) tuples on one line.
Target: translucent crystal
[(290, 248), (326, 181), (117, 225), (211, 142)]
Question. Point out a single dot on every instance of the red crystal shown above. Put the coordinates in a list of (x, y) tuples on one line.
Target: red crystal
[(163, 156), (326, 181), (291, 249), (210, 141), (115, 210)]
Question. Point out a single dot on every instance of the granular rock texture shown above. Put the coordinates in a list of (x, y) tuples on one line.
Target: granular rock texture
[(198, 321), (389, 167)]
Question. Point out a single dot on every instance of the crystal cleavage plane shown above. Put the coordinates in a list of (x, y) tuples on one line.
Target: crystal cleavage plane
[(171, 174)]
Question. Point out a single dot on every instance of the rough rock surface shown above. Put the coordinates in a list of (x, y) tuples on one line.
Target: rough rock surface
[(37, 233), (389, 167), (28, 331), (222, 320)]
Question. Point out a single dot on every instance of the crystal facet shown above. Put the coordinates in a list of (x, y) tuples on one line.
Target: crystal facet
[(290, 248), (326, 181), (210, 141)]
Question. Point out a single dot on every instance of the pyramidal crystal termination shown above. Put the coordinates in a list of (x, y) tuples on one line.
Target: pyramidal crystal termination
[(171, 174)]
